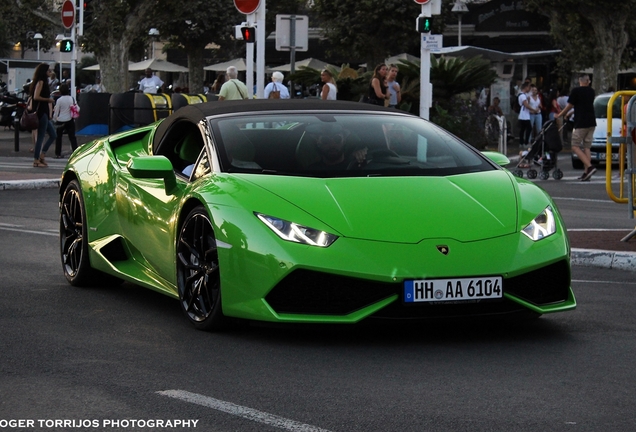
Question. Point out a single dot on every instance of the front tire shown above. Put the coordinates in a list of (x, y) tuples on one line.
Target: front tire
[(198, 276), (74, 239)]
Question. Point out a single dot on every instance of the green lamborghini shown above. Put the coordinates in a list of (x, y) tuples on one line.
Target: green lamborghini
[(311, 212)]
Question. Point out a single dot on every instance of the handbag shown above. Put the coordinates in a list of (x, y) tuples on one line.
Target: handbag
[(274, 94), (75, 110), (30, 120)]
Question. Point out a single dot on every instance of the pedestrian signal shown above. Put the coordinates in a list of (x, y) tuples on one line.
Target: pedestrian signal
[(249, 34), (66, 45), (424, 24)]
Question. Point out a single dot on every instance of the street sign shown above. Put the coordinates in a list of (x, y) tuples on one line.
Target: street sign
[(247, 6), (432, 42), (422, 2), (284, 36), (68, 14)]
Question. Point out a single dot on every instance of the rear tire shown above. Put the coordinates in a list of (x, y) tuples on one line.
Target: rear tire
[(198, 276)]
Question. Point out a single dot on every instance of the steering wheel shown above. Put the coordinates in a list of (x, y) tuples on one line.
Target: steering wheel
[(371, 155)]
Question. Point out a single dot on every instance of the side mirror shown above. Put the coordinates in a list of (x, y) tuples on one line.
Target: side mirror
[(498, 158), (153, 167)]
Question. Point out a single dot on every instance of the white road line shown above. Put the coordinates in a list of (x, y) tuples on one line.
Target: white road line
[(603, 282), (241, 411), (54, 234), (604, 201)]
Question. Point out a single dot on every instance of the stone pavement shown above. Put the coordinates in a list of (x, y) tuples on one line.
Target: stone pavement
[(589, 248)]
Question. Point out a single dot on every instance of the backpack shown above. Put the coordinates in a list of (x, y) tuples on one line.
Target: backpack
[(514, 104)]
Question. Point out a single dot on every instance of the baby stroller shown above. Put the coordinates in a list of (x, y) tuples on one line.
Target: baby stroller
[(543, 154)]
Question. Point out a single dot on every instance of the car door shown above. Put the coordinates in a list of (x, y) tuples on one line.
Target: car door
[(148, 214)]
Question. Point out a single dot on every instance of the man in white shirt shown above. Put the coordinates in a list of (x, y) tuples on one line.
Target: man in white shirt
[(151, 83)]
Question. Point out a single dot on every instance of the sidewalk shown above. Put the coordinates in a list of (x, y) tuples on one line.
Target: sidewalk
[(589, 248)]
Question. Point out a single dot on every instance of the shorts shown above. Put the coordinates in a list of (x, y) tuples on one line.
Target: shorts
[(582, 137)]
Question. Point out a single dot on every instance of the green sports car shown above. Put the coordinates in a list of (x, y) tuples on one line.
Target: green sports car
[(311, 212)]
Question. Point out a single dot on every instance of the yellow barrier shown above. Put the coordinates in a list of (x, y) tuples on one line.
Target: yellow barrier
[(160, 101), (622, 149), (195, 99)]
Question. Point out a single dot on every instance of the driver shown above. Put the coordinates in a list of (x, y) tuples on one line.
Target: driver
[(331, 146)]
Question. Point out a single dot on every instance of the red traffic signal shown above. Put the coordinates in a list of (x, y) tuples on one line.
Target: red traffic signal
[(249, 34)]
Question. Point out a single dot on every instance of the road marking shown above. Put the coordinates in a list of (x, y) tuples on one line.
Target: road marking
[(7, 227), (600, 229), (604, 201), (603, 282), (241, 411)]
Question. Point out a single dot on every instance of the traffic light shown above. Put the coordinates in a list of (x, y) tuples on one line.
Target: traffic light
[(249, 34), (85, 15), (66, 45), (424, 24)]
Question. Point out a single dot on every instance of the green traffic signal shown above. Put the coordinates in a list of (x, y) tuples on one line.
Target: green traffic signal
[(66, 45), (425, 24)]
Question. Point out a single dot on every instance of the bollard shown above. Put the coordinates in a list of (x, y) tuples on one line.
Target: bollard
[(16, 136)]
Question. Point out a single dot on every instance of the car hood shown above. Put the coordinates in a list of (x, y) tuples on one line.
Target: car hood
[(466, 207)]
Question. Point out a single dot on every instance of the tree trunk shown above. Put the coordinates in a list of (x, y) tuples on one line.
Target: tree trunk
[(611, 40), (114, 67), (195, 66)]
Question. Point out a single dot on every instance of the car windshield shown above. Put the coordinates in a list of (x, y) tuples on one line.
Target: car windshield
[(341, 145), (600, 107)]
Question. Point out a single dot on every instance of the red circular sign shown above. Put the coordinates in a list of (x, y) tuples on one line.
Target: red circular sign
[(247, 6), (68, 14), (422, 2)]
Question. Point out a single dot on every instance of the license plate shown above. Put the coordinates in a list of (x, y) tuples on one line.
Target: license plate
[(603, 156), (445, 290)]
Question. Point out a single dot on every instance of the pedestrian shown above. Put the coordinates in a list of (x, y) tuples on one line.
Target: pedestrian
[(53, 81), (232, 89), (218, 83), (394, 87), (151, 84), (524, 118), (98, 87), (66, 122), (582, 100), (536, 118), (329, 90), (42, 103), (276, 89), (378, 91)]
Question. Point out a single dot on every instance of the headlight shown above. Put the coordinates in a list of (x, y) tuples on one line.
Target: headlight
[(542, 226), (293, 232)]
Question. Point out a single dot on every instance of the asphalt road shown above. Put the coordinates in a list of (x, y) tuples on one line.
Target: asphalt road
[(124, 358)]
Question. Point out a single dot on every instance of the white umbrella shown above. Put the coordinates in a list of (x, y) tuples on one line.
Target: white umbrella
[(307, 63), (238, 63), (404, 56), (157, 65)]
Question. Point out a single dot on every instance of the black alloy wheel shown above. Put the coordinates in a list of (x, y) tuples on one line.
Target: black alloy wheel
[(198, 277), (73, 238)]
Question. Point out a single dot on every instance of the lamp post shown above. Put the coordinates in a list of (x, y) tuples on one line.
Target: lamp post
[(459, 8), (37, 37), (59, 38), (153, 33)]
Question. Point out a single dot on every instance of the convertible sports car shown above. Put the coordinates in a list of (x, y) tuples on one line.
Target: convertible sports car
[(311, 212)]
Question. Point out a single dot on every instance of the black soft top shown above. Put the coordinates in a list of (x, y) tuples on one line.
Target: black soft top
[(197, 112)]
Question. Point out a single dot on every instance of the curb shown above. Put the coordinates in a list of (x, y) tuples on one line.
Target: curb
[(604, 259), (30, 184)]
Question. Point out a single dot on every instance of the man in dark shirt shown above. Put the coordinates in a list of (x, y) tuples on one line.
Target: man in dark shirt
[(582, 99)]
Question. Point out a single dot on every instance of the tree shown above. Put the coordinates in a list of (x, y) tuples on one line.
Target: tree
[(591, 33), (368, 29), (23, 18), (114, 27)]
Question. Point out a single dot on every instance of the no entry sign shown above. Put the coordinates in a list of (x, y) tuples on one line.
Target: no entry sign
[(68, 14), (247, 6)]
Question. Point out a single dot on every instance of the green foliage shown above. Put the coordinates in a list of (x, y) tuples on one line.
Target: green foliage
[(464, 118), (368, 29), (450, 76)]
